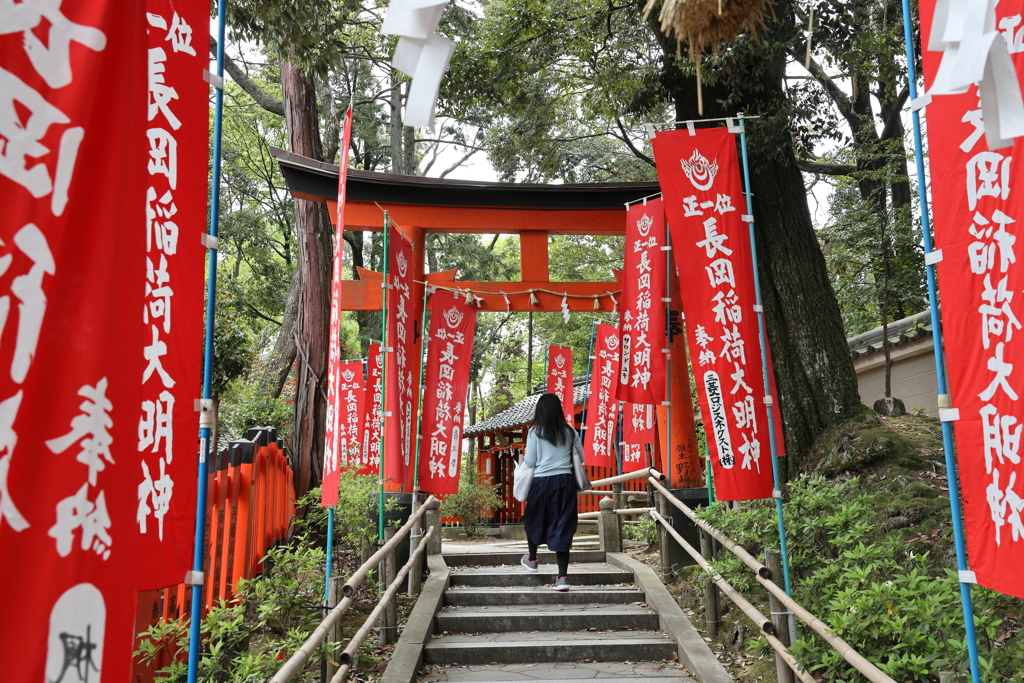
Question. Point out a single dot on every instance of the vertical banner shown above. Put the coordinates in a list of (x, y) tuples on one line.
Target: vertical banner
[(400, 389), (334, 428), (176, 171), (637, 433), (603, 407), (700, 182), (642, 319), (72, 268), (976, 211), (349, 419), (449, 352), (370, 460), (560, 380)]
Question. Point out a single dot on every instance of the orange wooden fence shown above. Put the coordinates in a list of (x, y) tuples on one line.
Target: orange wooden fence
[(250, 505)]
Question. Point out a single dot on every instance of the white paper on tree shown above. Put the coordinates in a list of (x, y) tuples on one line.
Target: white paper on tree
[(975, 53), (413, 18), (426, 80)]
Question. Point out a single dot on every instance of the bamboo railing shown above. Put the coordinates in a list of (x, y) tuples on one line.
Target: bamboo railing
[(302, 656), (763, 575)]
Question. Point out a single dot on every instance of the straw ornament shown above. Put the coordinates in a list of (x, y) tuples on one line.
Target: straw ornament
[(702, 23)]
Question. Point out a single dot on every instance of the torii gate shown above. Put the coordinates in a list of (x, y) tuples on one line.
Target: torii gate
[(420, 206)]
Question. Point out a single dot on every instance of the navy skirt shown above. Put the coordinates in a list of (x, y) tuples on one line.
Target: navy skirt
[(550, 518)]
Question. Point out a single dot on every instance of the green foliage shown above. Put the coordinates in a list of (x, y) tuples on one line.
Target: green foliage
[(232, 347), (241, 641), (644, 530), (353, 522), (245, 405), (473, 503), (898, 610)]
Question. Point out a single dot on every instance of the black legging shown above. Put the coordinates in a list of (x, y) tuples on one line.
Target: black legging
[(563, 559)]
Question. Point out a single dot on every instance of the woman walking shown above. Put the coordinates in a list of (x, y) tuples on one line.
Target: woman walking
[(551, 512)]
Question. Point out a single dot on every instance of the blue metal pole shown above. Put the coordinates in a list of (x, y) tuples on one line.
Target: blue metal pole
[(940, 362), (205, 430), (777, 493), (330, 553)]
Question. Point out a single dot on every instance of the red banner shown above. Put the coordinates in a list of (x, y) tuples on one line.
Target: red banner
[(370, 460), (700, 181), (602, 406), (400, 385), (332, 432), (976, 210), (453, 323), (176, 215), (637, 432), (349, 418), (642, 319), (72, 267), (560, 380)]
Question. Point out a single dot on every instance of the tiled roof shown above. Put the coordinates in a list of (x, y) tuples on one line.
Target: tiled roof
[(522, 413), (901, 332)]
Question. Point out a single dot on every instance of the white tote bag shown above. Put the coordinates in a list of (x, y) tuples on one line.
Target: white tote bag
[(522, 478)]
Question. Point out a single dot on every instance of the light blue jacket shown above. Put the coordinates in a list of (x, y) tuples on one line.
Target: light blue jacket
[(548, 458)]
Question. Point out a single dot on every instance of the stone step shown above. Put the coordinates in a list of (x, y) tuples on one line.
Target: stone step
[(562, 672), (547, 646), (543, 595), (506, 618), (512, 558), (582, 574)]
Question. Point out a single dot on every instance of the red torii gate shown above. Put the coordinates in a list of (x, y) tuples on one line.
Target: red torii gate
[(420, 206)]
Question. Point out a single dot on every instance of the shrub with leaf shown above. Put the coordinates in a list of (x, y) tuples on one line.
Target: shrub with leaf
[(475, 501), (900, 610)]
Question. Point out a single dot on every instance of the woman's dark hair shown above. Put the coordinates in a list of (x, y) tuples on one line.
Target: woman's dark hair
[(550, 420)]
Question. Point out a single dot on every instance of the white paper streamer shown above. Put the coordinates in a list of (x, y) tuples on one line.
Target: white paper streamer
[(974, 52), (421, 54), (565, 308)]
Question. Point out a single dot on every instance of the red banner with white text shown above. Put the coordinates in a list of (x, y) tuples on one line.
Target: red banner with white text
[(399, 383), (638, 421), (642, 319), (449, 353), (560, 380), (72, 268), (176, 216), (334, 428), (349, 419), (602, 406), (369, 462), (700, 182), (976, 211)]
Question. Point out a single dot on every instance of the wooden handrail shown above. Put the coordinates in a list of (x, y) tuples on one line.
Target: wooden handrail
[(621, 511), (855, 659), (630, 476), (303, 654), (765, 624)]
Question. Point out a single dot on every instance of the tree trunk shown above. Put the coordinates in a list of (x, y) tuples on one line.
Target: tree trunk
[(279, 365), (315, 251), (396, 126)]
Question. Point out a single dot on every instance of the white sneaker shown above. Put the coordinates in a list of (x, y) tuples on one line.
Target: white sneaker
[(531, 566), (562, 583)]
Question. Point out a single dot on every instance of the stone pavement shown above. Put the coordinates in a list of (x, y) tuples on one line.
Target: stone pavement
[(500, 622)]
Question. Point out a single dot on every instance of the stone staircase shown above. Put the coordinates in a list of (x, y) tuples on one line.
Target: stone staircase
[(500, 622)]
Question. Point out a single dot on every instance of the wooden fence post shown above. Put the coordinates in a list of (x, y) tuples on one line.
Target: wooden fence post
[(334, 635), (663, 545), (773, 560), (609, 527), (389, 619), (415, 538), (712, 610)]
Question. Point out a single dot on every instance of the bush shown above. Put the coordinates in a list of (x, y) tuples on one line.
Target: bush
[(898, 610), (475, 501), (644, 530)]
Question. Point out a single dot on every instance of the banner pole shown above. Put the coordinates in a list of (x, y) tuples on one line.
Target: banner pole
[(383, 378), (777, 493), (419, 396), (207, 416), (668, 357), (330, 553), (948, 442), (586, 398)]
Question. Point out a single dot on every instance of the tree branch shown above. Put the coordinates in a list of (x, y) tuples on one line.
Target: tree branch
[(629, 143), (894, 120), (822, 168), (842, 101), (248, 85)]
